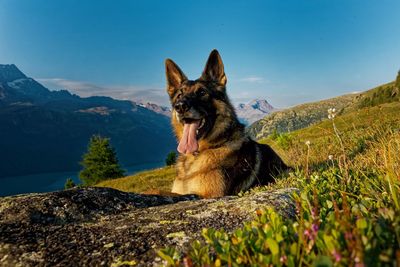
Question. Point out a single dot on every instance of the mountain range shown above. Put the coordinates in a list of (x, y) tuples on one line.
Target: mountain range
[(48, 131), (247, 113)]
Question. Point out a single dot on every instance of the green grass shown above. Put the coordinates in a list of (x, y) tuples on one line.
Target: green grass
[(154, 179), (386, 93)]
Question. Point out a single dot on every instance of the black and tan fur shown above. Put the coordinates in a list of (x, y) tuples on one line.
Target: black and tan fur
[(227, 160)]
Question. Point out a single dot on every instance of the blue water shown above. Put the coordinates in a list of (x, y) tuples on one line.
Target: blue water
[(47, 182)]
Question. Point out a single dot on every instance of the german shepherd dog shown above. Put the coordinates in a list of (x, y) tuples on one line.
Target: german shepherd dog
[(216, 157)]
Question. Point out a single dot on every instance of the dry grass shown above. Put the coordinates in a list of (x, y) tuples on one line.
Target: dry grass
[(358, 133), (161, 179)]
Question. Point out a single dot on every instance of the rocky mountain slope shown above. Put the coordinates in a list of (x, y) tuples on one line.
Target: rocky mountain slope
[(48, 131), (253, 111), (106, 227), (157, 108), (297, 117)]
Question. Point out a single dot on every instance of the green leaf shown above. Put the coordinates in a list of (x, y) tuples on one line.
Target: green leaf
[(322, 261), (361, 223), (293, 249), (273, 246), (166, 257)]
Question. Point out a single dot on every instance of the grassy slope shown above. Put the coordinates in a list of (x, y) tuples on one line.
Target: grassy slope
[(304, 115), (153, 179), (356, 130)]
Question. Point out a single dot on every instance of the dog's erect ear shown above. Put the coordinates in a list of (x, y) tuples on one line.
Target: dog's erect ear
[(214, 70), (175, 76)]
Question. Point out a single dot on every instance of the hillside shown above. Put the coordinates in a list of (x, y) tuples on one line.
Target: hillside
[(161, 179), (48, 131), (304, 115)]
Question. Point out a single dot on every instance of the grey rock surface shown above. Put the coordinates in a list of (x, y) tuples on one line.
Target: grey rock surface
[(105, 227)]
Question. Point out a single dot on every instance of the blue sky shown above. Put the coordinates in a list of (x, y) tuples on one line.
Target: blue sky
[(287, 52)]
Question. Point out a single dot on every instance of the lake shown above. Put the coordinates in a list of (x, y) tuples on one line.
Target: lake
[(47, 182)]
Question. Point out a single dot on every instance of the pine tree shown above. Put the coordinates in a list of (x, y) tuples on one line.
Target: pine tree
[(69, 184), (171, 158), (397, 83), (100, 162)]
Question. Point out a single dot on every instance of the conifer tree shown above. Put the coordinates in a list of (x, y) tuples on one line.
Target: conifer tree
[(69, 183), (397, 83), (171, 158), (100, 162)]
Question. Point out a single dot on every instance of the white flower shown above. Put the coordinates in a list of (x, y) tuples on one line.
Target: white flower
[(330, 157), (308, 143), (331, 113)]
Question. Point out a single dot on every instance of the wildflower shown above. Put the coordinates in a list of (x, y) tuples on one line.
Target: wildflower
[(337, 256), (307, 233), (314, 212), (311, 234), (283, 259), (330, 157), (308, 143), (331, 113), (315, 227)]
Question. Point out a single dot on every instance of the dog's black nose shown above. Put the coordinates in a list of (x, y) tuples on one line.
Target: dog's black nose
[(181, 107)]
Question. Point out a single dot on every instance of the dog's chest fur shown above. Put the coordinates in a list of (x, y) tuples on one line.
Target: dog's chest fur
[(219, 171)]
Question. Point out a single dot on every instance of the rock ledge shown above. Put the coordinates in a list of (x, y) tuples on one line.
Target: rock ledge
[(102, 226)]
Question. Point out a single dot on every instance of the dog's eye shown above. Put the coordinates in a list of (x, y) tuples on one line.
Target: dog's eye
[(201, 92)]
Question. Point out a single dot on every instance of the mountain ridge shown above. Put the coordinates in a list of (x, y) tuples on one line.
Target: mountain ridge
[(57, 125)]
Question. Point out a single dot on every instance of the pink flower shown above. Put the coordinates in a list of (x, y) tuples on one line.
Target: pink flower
[(283, 259), (307, 233), (337, 256)]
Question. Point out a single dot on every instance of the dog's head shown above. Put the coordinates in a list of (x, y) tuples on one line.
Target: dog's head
[(201, 110)]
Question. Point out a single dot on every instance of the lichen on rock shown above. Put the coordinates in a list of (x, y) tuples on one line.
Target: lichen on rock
[(103, 226)]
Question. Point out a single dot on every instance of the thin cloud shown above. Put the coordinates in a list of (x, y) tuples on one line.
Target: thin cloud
[(81, 88), (253, 79), (86, 89)]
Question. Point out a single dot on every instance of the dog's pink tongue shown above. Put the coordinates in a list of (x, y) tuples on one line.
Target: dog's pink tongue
[(188, 143)]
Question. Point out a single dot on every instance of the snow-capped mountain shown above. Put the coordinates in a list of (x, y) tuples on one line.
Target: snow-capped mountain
[(253, 111), (157, 109)]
